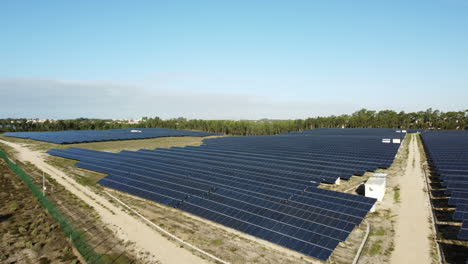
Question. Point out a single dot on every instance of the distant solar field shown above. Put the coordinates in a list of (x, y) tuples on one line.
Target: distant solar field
[(81, 136), (447, 153), (265, 186)]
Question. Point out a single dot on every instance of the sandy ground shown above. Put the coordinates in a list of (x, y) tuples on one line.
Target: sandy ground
[(413, 229), (125, 226)]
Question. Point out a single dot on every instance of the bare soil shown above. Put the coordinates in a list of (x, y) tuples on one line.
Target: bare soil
[(413, 231)]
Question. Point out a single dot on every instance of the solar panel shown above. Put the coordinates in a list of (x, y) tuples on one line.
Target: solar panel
[(463, 234), (447, 153), (266, 186)]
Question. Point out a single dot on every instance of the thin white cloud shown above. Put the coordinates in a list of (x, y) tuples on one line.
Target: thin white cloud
[(44, 98)]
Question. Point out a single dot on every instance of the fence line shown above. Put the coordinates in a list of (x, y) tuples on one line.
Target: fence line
[(86, 251)]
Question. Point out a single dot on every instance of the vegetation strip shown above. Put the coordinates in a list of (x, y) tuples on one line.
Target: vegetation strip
[(76, 237), (363, 118)]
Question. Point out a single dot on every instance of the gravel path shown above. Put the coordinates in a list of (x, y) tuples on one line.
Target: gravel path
[(413, 229)]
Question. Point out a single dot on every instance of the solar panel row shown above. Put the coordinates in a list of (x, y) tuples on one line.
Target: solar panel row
[(265, 186), (415, 130), (80, 136), (447, 153), (463, 234)]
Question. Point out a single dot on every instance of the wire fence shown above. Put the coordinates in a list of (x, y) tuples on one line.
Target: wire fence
[(76, 237)]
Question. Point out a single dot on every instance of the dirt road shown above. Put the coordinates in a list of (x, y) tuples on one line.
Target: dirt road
[(413, 229), (125, 226)]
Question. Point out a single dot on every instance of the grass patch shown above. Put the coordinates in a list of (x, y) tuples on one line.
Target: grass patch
[(378, 232), (396, 194), (216, 242), (114, 146), (375, 248)]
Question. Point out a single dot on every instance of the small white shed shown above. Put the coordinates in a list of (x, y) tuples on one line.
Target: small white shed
[(375, 186)]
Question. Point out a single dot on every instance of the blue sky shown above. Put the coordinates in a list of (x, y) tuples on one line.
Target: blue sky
[(242, 59)]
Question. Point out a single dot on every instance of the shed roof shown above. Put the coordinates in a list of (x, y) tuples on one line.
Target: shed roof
[(376, 181)]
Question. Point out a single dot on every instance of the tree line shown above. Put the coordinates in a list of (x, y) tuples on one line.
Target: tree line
[(429, 119)]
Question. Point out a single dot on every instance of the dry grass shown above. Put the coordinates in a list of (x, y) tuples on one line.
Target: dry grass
[(29, 234), (115, 146)]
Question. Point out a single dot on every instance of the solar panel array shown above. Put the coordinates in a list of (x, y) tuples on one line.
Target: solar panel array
[(81, 136), (463, 234), (447, 153), (265, 186), (415, 130)]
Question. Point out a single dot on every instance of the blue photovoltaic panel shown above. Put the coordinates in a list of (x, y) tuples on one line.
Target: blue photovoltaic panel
[(266, 186), (80, 136), (463, 234), (447, 153)]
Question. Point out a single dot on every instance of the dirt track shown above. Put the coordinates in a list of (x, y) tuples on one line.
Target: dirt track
[(125, 226), (413, 229)]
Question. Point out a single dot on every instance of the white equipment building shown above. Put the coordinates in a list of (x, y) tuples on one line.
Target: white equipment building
[(375, 186)]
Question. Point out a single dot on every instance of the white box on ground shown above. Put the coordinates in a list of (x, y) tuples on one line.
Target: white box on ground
[(338, 181), (403, 131), (386, 140), (375, 186), (396, 140), (380, 175)]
